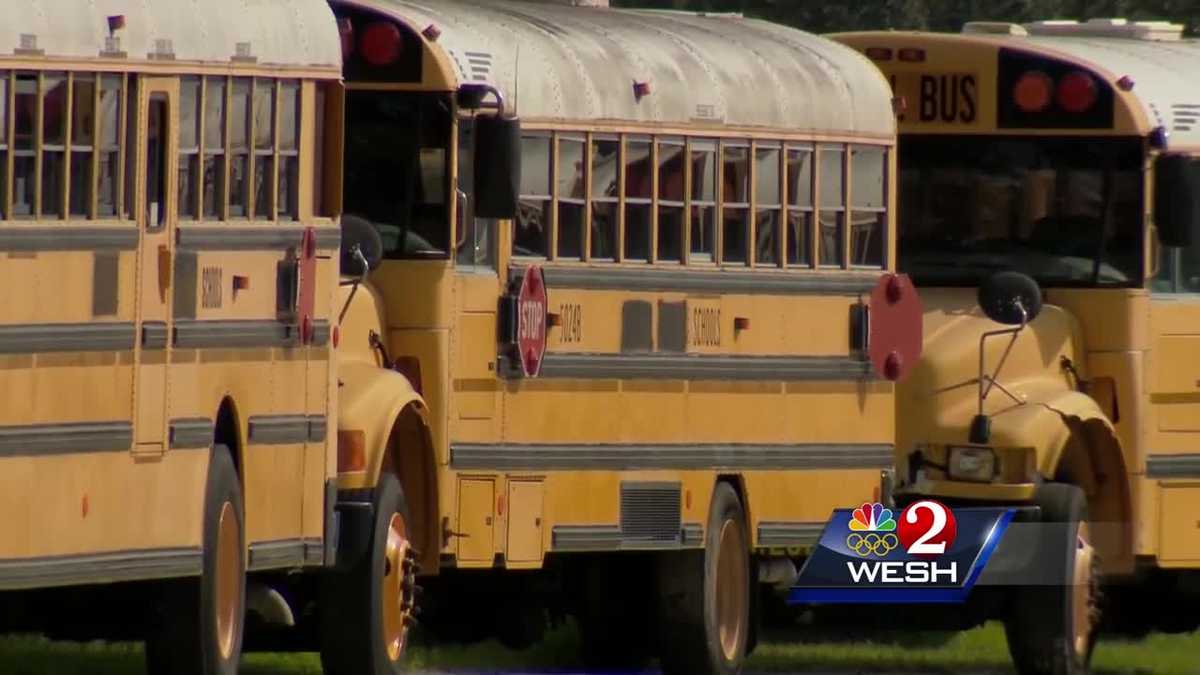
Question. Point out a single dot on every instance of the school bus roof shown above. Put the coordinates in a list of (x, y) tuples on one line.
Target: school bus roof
[(557, 62), (1163, 72), (271, 32)]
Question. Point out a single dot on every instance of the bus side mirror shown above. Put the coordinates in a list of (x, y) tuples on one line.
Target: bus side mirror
[(1010, 298), (497, 166), (1177, 199)]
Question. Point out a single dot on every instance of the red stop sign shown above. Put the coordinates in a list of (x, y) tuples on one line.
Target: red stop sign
[(531, 321)]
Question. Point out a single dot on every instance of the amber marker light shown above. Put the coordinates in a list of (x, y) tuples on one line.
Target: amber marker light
[(352, 451)]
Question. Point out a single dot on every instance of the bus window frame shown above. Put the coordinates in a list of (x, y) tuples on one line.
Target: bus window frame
[(679, 206), (757, 207), (820, 208), (745, 207), (615, 202), (548, 207), (645, 203), (806, 211), (583, 139)]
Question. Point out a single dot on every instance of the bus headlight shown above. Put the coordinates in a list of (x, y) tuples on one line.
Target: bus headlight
[(971, 464)]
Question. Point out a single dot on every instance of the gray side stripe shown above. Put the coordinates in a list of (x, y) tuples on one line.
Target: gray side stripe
[(707, 281), (39, 439), (66, 337), (585, 538), (789, 534), (192, 433), (246, 334), (565, 538), (285, 553), (97, 568), (815, 456), (696, 367), (278, 429), (234, 334), (154, 335), (1173, 466), (321, 333), (226, 238), (68, 238), (317, 428)]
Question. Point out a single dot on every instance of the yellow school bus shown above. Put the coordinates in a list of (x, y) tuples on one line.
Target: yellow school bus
[(169, 268), (615, 269), (1057, 162)]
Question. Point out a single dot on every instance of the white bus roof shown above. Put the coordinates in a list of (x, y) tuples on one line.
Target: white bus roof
[(271, 32), (564, 63)]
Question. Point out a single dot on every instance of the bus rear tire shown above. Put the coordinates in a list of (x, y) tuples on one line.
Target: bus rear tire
[(199, 630), (1052, 629), (705, 596), (367, 610)]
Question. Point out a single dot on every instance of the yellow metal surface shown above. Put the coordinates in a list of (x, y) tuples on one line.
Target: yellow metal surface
[(524, 521), (476, 520)]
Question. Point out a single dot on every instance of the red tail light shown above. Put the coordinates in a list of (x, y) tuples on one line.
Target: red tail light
[(1033, 91), (911, 55), (381, 44), (1076, 92)]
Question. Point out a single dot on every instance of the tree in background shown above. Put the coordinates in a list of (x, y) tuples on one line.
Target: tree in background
[(821, 16)]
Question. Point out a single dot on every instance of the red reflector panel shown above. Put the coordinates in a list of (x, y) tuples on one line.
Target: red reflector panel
[(381, 44), (1033, 91), (912, 55), (1076, 92)]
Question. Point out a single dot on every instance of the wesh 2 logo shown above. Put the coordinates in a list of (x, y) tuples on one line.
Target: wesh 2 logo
[(926, 530)]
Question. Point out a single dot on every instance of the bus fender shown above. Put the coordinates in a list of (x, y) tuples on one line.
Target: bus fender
[(1076, 443), (392, 416)]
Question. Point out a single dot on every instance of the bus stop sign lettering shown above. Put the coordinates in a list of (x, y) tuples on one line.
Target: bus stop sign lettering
[(531, 321)]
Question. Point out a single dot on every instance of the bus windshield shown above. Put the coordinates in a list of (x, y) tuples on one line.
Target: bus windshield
[(1065, 211), (397, 173)]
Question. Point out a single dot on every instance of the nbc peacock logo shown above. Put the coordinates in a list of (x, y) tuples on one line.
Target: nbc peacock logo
[(872, 531)]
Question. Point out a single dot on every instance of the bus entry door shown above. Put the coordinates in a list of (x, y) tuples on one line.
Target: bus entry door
[(154, 204)]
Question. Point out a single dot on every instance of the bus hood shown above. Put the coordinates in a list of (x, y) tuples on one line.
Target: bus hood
[(940, 397)]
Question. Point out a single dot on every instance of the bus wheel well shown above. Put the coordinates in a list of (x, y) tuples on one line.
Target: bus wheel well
[(225, 432), (738, 483), (411, 458), (1092, 460)]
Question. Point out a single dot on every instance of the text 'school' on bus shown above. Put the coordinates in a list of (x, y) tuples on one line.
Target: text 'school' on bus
[(614, 351), (169, 272), (1056, 163)]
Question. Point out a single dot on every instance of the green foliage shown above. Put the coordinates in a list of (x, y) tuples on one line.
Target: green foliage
[(943, 15)]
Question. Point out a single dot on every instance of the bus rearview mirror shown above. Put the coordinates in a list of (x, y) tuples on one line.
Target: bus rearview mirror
[(1177, 199), (497, 166)]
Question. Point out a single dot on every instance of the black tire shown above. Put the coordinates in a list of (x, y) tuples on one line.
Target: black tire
[(353, 604), (188, 636), (613, 614), (1041, 620), (691, 583)]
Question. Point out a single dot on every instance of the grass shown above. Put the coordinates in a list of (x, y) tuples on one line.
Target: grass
[(977, 651)]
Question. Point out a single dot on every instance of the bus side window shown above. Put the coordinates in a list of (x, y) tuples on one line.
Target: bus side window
[(531, 229), (189, 145), (868, 221), (832, 200), (112, 114), (4, 82), (213, 193), (240, 111), (289, 151)]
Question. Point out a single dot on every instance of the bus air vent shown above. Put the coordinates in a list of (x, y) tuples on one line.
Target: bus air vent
[(650, 514)]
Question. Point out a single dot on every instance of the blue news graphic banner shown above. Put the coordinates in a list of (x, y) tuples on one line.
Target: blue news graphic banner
[(926, 553)]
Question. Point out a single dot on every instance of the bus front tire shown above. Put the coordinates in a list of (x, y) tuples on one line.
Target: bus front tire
[(1051, 629), (199, 628), (705, 595), (367, 610)]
